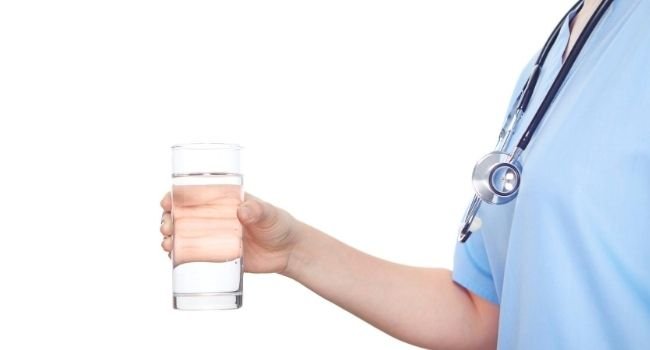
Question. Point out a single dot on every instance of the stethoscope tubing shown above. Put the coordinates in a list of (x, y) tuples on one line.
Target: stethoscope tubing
[(521, 104)]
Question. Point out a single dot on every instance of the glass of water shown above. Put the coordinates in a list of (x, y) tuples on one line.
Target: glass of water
[(207, 242)]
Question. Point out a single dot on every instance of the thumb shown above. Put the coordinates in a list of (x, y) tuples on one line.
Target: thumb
[(257, 213)]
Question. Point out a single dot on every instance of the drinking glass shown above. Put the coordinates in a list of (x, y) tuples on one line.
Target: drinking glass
[(207, 242)]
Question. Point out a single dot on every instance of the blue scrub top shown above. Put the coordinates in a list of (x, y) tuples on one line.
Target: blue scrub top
[(568, 261)]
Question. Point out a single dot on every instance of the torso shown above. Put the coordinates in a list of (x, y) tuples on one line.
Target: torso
[(568, 260)]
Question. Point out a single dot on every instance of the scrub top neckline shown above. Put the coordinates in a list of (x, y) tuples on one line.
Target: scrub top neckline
[(563, 38)]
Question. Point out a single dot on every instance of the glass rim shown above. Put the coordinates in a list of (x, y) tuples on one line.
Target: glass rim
[(207, 146)]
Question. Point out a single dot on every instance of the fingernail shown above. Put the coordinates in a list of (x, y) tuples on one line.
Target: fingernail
[(162, 219), (245, 213)]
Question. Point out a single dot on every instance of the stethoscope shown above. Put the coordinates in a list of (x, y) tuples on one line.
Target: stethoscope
[(497, 175)]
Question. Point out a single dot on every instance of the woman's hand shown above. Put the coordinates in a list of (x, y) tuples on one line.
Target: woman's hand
[(269, 234), (395, 298)]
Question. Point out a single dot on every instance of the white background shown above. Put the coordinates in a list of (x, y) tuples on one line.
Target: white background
[(362, 118)]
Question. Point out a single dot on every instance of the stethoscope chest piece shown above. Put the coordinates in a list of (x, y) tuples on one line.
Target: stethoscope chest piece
[(496, 180)]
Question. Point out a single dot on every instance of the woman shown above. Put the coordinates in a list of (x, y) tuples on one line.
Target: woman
[(564, 266)]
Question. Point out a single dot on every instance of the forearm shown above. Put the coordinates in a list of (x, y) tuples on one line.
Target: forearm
[(418, 305)]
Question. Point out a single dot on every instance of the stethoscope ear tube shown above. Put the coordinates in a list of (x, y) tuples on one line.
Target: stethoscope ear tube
[(530, 87), (562, 74)]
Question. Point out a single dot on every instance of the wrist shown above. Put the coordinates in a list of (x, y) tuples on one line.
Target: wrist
[(297, 255)]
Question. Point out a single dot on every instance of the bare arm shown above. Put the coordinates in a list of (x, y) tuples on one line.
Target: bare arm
[(421, 306)]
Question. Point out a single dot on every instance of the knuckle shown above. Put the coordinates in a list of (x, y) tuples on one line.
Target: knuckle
[(166, 244), (270, 218)]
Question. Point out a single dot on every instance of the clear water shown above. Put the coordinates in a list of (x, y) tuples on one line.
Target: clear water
[(207, 278), (207, 239)]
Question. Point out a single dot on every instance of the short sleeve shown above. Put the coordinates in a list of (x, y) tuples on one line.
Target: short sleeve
[(472, 268)]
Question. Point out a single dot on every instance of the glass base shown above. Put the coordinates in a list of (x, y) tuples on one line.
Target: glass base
[(211, 301)]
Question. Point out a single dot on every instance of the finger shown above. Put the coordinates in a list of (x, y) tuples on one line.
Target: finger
[(204, 195), (166, 226), (167, 244), (255, 212), (166, 202)]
